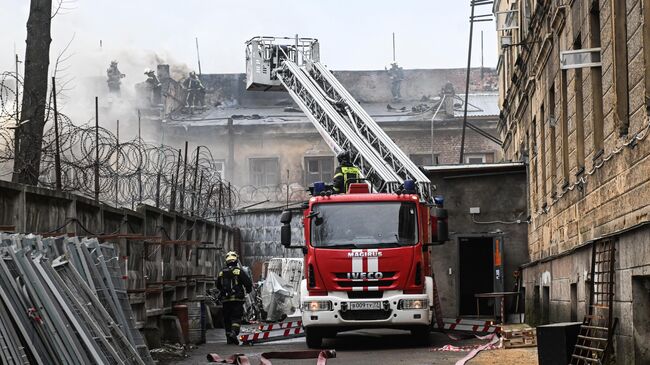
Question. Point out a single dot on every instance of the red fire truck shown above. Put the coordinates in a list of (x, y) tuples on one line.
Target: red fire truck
[(366, 251)]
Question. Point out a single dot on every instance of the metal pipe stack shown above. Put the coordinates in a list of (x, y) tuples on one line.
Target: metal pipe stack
[(64, 301)]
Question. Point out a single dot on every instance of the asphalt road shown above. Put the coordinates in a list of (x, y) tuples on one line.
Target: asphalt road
[(363, 347)]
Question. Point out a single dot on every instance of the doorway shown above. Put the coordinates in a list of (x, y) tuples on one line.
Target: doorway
[(476, 274), (641, 318)]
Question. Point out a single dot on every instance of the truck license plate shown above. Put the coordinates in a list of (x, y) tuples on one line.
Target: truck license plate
[(362, 306)]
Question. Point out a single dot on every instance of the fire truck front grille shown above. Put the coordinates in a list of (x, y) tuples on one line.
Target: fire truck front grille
[(356, 284), (372, 315), (385, 274)]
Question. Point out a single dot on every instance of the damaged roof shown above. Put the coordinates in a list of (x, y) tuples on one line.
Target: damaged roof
[(480, 105)]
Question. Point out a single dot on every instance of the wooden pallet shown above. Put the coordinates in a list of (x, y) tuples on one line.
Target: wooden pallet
[(515, 342), (515, 333), (520, 336)]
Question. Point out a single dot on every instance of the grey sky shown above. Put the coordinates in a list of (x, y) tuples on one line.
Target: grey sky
[(354, 34)]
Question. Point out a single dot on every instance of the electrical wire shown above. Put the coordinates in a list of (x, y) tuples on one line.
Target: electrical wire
[(632, 142), (517, 221)]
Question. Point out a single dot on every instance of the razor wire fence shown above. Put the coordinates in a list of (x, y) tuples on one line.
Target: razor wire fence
[(129, 172)]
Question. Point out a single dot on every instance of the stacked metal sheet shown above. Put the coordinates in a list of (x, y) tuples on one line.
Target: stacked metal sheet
[(64, 301)]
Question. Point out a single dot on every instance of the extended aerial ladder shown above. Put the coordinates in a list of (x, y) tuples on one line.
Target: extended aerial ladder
[(293, 64)]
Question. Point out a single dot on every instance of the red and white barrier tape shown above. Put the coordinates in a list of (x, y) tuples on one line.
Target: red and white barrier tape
[(272, 335), (281, 325)]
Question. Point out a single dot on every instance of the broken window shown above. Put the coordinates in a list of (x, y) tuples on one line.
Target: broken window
[(318, 169), (264, 171), (507, 20), (219, 166)]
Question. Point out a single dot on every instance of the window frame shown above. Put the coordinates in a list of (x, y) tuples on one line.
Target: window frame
[(482, 155), (416, 156), (320, 160), (565, 66), (254, 160)]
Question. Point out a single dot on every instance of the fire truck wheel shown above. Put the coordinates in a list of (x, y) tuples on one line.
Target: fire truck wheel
[(314, 338), (421, 335)]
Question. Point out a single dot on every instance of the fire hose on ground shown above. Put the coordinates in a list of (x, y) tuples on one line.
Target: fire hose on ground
[(265, 358)]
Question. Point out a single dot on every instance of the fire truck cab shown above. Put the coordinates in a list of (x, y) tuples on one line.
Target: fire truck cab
[(366, 262)]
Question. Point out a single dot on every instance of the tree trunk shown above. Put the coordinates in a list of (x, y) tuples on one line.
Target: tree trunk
[(29, 134)]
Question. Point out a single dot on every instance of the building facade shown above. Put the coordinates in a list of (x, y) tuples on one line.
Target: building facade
[(266, 143), (574, 79), (488, 236)]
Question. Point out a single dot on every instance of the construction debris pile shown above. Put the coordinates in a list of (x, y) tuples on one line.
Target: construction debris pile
[(64, 301)]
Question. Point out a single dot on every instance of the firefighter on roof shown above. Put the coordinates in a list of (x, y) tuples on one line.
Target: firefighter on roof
[(344, 172), (233, 284)]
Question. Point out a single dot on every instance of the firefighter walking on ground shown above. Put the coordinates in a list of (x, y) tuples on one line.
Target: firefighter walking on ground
[(344, 172), (233, 284)]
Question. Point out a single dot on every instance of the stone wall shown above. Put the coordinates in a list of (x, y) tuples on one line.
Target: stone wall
[(574, 200), (562, 273)]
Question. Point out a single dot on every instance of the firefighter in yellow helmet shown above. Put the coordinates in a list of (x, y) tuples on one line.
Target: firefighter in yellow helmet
[(344, 172), (233, 284)]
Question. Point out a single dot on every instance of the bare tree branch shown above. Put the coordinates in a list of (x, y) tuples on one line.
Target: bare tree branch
[(62, 7)]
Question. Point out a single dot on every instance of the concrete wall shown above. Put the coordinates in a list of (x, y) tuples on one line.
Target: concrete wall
[(29, 209), (168, 257), (500, 192), (260, 236), (630, 306)]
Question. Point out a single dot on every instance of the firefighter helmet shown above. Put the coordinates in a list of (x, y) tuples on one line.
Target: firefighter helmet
[(344, 156), (231, 257)]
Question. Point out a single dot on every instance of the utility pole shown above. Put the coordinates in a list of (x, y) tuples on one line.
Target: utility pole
[(182, 202), (287, 189), (17, 91), (472, 19), (393, 46), (96, 148), (57, 152), (198, 56), (17, 132), (117, 166), (481, 55)]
